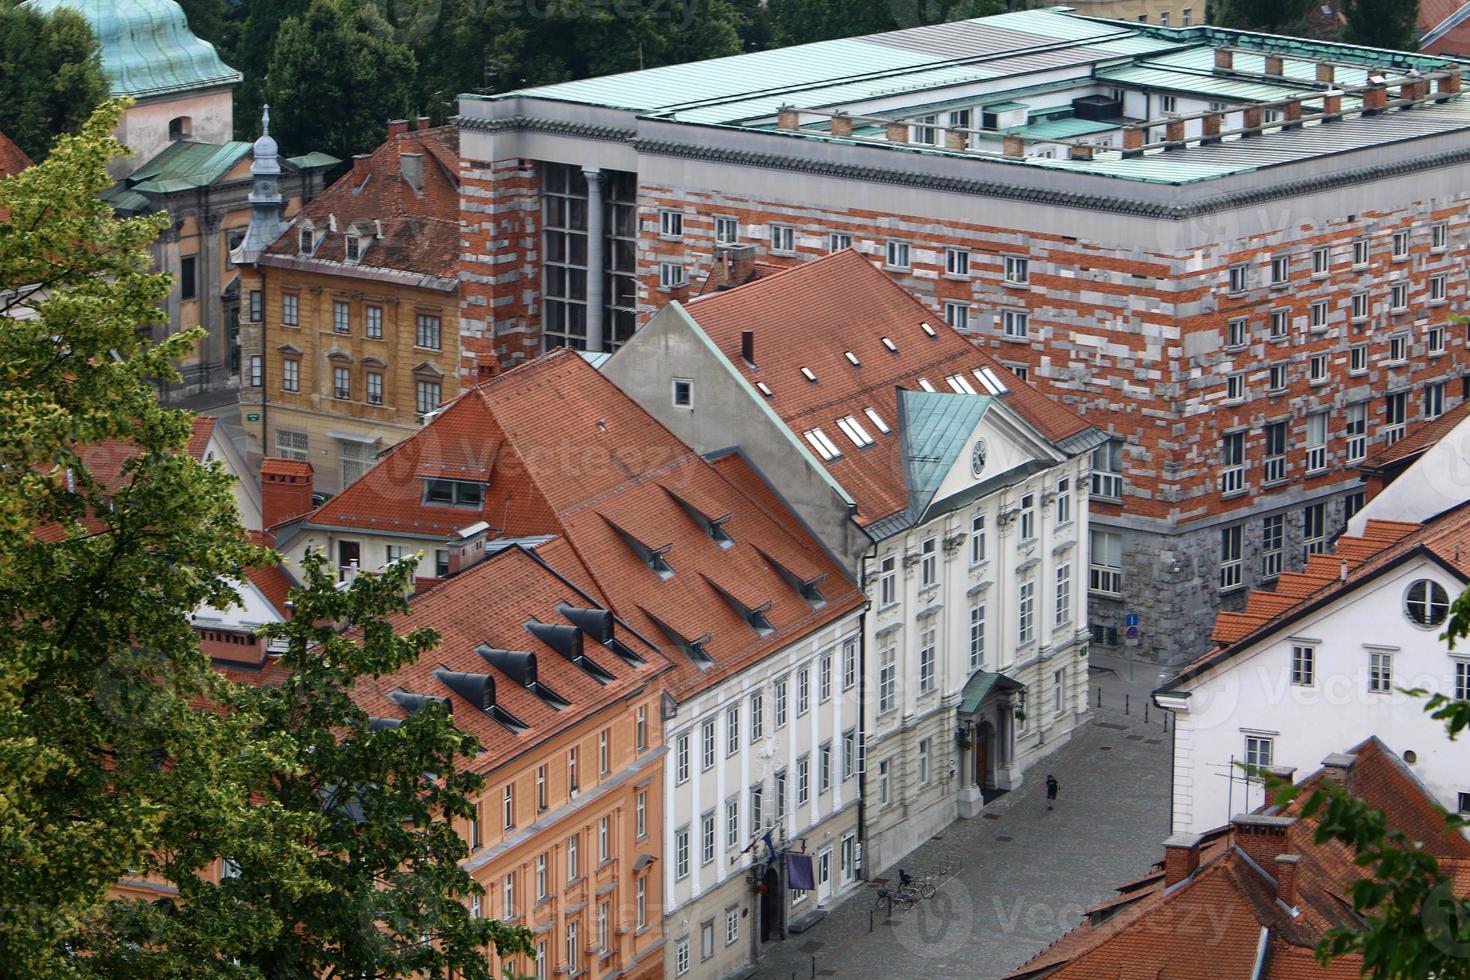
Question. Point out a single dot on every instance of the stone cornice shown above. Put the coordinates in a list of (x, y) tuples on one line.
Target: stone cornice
[(555, 127)]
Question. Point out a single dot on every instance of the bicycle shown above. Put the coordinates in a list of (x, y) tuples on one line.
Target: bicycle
[(921, 887), (887, 899)]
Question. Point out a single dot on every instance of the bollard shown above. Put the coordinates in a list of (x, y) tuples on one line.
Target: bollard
[(1125, 703), (1145, 712), (814, 966), (1099, 697), (870, 920)]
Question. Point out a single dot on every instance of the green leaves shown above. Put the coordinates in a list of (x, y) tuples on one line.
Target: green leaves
[(50, 76)]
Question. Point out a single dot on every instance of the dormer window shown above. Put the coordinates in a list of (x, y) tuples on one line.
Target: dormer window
[(691, 648), (454, 493), (306, 241), (807, 588), (354, 248), (651, 556), (712, 525), (755, 615)]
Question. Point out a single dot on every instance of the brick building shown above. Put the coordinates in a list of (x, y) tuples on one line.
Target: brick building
[(349, 310), (1234, 253)]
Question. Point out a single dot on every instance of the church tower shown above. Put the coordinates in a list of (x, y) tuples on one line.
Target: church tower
[(266, 218)]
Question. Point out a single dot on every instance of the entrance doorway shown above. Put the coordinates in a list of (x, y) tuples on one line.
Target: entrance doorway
[(771, 906), (348, 552)]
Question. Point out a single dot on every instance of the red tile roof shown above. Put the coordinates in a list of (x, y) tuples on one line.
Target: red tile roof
[(199, 438), (811, 316), (563, 451), (1417, 440), (420, 229), (1210, 924), (12, 158)]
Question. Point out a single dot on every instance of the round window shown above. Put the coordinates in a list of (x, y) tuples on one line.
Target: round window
[(1427, 603)]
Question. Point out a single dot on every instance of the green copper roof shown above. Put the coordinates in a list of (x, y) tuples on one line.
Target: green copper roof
[(147, 47), (980, 686), (184, 164), (935, 428)]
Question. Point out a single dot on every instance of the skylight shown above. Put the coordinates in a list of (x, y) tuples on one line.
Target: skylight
[(926, 384), (890, 345), (806, 372), (825, 447), (852, 358), (763, 388), (960, 384), (928, 329), (855, 431), (988, 378), (876, 419)]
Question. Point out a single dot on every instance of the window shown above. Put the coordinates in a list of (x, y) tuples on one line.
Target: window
[(681, 853), (803, 691), (352, 247), (1319, 315), (454, 493), (640, 728), (1358, 359), (732, 926), (373, 319), (374, 388), (1280, 324), (1400, 244), (1394, 408), (508, 895), (426, 396), (681, 759), (888, 582), (732, 822), (883, 783), (681, 958), (956, 262), (476, 841), (341, 317), (1360, 252), (640, 815), (803, 780), (1064, 501), (925, 131), (1257, 752), (1235, 387), (1462, 693), (1303, 665), (1168, 104), (1436, 288), (1357, 429), (683, 393), (540, 789), (670, 224), (926, 658), (757, 794), (1239, 278), (573, 861), (1380, 672), (1026, 612), (957, 314), (707, 838), (1434, 400), (1236, 332), (1230, 557), (898, 255), (1398, 296), (1275, 463), (923, 761), (188, 278), (305, 241), (1058, 691), (783, 238), (257, 369), (887, 677), (290, 374), (1426, 603), (1017, 270), (838, 240), (1106, 570), (573, 785), (928, 562), (757, 716), (543, 965), (854, 430), (542, 889), (428, 331), (849, 664), (1314, 529), (1360, 306), (824, 679), (1064, 594), (1439, 236), (341, 383), (824, 767), (1168, 99), (1435, 339), (1232, 474), (1273, 538), (822, 444), (1352, 503), (977, 634), (727, 231), (707, 732), (732, 731), (779, 794), (1276, 377), (671, 275), (602, 934), (1316, 442), (1015, 323), (1028, 517), (1107, 471), (604, 752), (849, 753), (1186, 17), (1280, 269), (257, 303), (354, 459), (1321, 260)]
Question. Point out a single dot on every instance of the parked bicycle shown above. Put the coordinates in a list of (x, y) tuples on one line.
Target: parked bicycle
[(888, 899), (921, 887)]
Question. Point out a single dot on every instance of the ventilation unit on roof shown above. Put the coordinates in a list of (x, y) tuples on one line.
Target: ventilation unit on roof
[(1097, 108)]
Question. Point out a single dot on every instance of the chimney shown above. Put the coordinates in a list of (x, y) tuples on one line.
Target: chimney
[(1412, 91), (788, 118), (360, 166), (1332, 104), (411, 166), (1013, 146), (397, 127), (1375, 97), (734, 265), (1210, 128), (1181, 857), (842, 125), (1079, 151), (1292, 112), (1448, 84), (1132, 141), (1287, 773), (1286, 879), (1335, 767), (747, 346), (1224, 59), (1251, 120), (423, 122), (1273, 65), (954, 139), (897, 132), (1174, 130), (285, 490), (1326, 72), (1261, 837), (467, 546)]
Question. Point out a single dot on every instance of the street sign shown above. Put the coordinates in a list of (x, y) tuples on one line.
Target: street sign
[(252, 417), (1130, 619), (1133, 632)]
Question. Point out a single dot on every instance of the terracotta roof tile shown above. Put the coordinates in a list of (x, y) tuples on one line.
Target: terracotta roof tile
[(567, 453), (811, 316), (12, 158), (1418, 439), (199, 439)]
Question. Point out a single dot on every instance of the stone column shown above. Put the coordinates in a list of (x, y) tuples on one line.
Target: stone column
[(595, 261)]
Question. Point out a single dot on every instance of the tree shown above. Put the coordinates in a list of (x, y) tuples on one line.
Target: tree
[(336, 75), (803, 21), (50, 75), (1272, 16), (346, 865), (1390, 24), (98, 568)]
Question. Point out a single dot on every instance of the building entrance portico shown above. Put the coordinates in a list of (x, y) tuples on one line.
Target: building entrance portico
[(986, 735)]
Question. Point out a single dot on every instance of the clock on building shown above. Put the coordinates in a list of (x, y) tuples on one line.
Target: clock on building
[(977, 457)]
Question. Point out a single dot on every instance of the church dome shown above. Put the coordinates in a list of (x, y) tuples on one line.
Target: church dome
[(147, 47)]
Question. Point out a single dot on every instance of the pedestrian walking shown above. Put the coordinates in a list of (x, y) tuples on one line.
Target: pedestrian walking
[(1052, 786)]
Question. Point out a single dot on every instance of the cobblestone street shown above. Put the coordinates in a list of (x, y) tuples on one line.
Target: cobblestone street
[(1026, 873)]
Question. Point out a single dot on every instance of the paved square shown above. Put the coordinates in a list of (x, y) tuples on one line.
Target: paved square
[(1026, 876)]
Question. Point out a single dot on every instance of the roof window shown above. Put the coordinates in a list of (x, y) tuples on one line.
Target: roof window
[(854, 430), (924, 325), (852, 358), (805, 587), (691, 648), (650, 556), (763, 388), (825, 447), (961, 384), (890, 345), (353, 245), (454, 493), (806, 372), (926, 384), (712, 526), (876, 419), (990, 380), (754, 615)]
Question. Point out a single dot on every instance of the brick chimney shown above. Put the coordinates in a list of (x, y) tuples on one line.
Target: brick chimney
[(1273, 65), (1079, 151), (1375, 97), (956, 140), (397, 127), (1181, 857), (747, 346), (360, 166), (1250, 119), (1449, 84), (842, 125), (788, 118), (1132, 141), (1292, 112), (1332, 104), (897, 132), (1286, 878), (1210, 128), (734, 265), (467, 546), (1326, 72), (1261, 837), (1174, 130), (423, 122), (1224, 59), (1335, 767), (285, 490), (1013, 146), (1288, 773)]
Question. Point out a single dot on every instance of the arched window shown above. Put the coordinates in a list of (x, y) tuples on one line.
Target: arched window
[(180, 127), (1426, 603)]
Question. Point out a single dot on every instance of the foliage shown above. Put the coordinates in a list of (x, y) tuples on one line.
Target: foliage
[(336, 74), (803, 21), (92, 562), (1271, 16), (1382, 23), (50, 76)]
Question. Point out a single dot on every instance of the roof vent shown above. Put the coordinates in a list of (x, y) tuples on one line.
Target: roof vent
[(567, 641)]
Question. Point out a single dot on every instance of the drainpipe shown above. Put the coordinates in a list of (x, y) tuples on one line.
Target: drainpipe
[(595, 340), (862, 725)]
